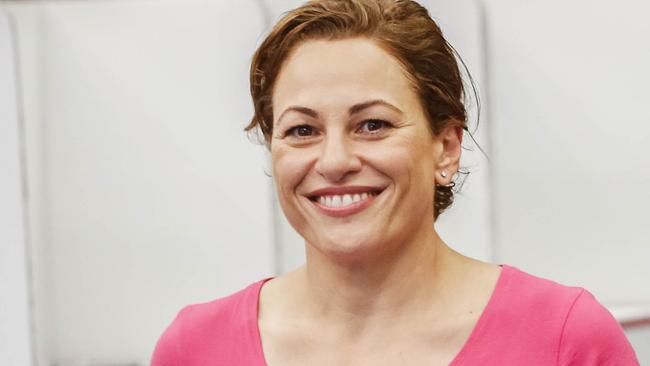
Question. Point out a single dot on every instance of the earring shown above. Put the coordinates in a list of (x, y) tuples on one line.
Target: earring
[(444, 174)]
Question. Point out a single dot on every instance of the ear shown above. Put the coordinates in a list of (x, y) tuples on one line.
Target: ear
[(448, 156)]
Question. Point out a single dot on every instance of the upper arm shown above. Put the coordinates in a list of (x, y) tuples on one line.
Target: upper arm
[(591, 336)]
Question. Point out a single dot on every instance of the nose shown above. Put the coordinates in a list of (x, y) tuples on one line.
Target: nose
[(337, 159)]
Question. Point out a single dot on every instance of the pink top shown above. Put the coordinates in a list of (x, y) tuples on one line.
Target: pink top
[(527, 321)]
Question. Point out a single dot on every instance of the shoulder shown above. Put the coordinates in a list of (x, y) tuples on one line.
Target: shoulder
[(533, 290), (592, 336), (221, 310), (206, 326), (568, 318), (523, 299)]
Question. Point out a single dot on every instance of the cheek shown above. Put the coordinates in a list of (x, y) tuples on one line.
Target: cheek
[(288, 168), (408, 155)]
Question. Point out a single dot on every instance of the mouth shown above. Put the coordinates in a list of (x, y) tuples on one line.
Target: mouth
[(339, 205)]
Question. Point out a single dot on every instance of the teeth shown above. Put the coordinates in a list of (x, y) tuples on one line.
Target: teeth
[(347, 199), (344, 200)]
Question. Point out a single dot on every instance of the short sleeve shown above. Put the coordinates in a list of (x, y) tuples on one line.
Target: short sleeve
[(592, 336)]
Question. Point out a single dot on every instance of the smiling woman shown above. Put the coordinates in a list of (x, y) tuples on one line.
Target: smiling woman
[(361, 105)]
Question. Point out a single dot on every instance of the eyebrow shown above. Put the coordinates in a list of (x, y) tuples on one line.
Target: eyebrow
[(351, 111)]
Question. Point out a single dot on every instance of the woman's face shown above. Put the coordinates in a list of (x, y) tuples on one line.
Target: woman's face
[(354, 160)]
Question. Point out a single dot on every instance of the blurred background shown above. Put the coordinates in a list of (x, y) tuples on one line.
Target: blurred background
[(128, 188)]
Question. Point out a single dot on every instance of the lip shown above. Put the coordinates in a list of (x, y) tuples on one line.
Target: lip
[(343, 190), (350, 209)]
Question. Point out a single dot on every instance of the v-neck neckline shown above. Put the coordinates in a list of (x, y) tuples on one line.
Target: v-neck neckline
[(483, 320), (475, 335)]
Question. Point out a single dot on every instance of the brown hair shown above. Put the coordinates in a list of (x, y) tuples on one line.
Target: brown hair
[(403, 28)]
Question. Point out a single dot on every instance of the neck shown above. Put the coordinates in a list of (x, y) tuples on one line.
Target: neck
[(377, 288)]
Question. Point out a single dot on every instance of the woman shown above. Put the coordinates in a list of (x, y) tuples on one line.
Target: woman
[(361, 106)]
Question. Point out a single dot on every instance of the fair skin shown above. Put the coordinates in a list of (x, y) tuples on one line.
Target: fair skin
[(379, 286)]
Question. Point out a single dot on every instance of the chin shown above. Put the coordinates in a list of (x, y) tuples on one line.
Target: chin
[(347, 249)]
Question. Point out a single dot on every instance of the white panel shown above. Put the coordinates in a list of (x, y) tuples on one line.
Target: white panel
[(151, 196), (569, 96), (15, 343)]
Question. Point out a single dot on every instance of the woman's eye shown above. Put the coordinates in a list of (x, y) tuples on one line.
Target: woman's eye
[(367, 127), (373, 126), (300, 131)]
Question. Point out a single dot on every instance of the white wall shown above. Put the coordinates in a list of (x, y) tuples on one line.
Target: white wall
[(148, 194), (15, 340), (571, 141)]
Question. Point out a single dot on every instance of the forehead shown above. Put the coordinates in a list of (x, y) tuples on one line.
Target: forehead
[(326, 74)]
